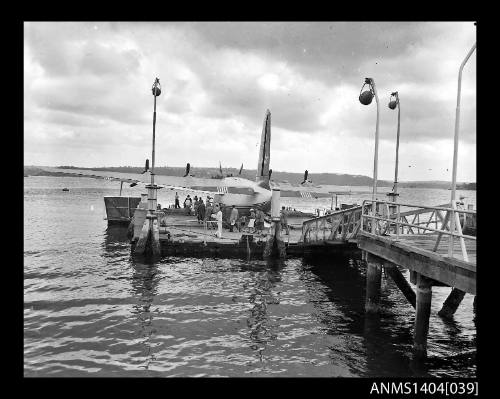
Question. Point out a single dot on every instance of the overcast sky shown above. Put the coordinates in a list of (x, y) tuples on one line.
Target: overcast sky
[(88, 100)]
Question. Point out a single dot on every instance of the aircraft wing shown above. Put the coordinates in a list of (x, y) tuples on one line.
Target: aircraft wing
[(288, 190), (170, 182), (305, 193)]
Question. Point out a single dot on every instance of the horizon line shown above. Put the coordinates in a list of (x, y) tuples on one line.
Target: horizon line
[(274, 171)]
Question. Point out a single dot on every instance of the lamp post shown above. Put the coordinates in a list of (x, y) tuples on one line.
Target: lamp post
[(156, 89), (455, 152), (393, 103), (152, 188), (365, 98), (149, 238)]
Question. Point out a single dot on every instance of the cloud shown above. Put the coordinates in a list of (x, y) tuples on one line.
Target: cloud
[(87, 91)]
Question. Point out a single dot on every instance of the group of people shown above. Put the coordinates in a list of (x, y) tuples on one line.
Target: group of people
[(209, 211)]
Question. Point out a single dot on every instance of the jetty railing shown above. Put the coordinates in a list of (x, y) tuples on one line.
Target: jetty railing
[(340, 225), (388, 219)]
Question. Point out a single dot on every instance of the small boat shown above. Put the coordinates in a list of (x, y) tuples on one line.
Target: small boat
[(65, 189)]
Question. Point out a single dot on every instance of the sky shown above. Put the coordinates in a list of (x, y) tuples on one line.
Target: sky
[(88, 99)]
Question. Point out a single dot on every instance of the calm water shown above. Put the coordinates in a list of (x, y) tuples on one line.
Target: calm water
[(91, 310)]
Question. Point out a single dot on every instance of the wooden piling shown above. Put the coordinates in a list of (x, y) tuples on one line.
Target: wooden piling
[(149, 238), (401, 282), (140, 246), (451, 303), (373, 284), (275, 246), (423, 311)]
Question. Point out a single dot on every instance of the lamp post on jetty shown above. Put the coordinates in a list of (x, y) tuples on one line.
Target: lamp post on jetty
[(393, 103), (373, 265), (365, 98), (455, 219), (149, 238)]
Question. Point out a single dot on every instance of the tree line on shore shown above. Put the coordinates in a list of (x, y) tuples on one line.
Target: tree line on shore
[(336, 179)]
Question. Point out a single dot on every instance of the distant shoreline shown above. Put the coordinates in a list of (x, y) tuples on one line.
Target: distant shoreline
[(335, 179)]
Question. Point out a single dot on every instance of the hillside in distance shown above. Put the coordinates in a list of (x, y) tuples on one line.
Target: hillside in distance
[(336, 179)]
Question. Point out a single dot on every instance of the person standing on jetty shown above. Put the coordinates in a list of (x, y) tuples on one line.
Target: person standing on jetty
[(195, 205), (217, 215), (259, 221), (177, 201), (233, 219), (208, 213), (251, 221), (201, 210), (187, 203), (284, 220)]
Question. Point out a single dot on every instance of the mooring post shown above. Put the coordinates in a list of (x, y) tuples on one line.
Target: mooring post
[(274, 241), (142, 241), (149, 239), (401, 282), (423, 312), (451, 303), (373, 284)]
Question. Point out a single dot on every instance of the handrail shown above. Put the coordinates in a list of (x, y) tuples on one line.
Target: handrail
[(439, 208), (336, 226), (333, 214), (422, 228), (398, 220)]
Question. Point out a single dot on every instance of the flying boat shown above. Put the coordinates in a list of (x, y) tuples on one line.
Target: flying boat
[(230, 190)]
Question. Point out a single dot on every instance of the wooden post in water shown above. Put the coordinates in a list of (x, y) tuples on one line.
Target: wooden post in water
[(275, 246), (149, 239), (423, 312), (403, 285), (373, 283), (451, 303)]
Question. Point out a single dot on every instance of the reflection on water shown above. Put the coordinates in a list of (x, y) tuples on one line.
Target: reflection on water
[(383, 341), (261, 327), (144, 283), (91, 309)]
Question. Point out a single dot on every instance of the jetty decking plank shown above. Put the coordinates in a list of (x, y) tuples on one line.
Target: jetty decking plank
[(454, 272), (427, 242)]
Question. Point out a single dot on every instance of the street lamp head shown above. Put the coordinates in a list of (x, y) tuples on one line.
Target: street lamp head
[(393, 102), (156, 89), (366, 97)]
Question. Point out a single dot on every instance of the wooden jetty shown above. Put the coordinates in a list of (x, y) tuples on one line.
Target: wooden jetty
[(421, 239), (180, 233), (435, 253)]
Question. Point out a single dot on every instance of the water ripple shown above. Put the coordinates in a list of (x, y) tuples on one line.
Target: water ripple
[(91, 310)]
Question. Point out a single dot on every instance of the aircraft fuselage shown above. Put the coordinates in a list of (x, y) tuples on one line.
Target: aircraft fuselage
[(242, 193)]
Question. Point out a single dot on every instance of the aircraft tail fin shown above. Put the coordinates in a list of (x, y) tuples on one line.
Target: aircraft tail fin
[(265, 151)]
